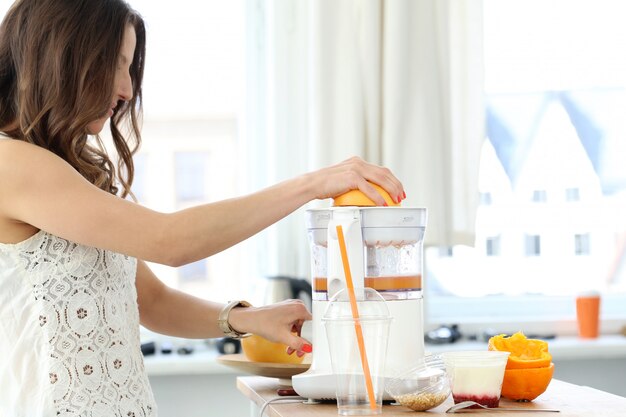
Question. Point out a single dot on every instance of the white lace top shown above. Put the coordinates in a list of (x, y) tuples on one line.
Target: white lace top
[(69, 332)]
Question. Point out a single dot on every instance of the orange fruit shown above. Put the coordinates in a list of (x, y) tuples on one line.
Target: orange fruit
[(357, 198), (259, 349), (525, 353), (529, 368), (526, 384)]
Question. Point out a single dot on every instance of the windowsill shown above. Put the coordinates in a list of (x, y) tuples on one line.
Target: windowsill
[(561, 348), (203, 361)]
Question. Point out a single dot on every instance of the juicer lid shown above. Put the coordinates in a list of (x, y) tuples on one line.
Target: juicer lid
[(370, 304), (372, 217)]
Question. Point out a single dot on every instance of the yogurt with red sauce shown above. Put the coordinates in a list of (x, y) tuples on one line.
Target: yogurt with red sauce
[(476, 376)]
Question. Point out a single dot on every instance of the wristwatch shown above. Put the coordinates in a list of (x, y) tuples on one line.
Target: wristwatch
[(222, 319)]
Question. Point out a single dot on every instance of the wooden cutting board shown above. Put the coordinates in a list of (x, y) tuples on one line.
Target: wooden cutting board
[(572, 401), (240, 362)]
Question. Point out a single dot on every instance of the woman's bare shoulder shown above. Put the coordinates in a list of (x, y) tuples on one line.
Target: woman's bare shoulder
[(30, 169), (8, 144), (10, 148), (40, 189), (16, 165), (17, 156)]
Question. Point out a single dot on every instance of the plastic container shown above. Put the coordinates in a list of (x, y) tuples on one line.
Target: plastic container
[(476, 375), (425, 386), (393, 250), (358, 392), (588, 314)]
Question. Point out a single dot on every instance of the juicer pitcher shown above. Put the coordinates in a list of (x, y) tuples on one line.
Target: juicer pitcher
[(385, 251)]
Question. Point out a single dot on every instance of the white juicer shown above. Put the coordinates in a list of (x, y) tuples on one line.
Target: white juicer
[(385, 248)]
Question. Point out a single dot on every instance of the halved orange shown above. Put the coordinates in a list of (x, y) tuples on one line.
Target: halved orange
[(526, 384), (525, 353), (357, 198), (259, 349)]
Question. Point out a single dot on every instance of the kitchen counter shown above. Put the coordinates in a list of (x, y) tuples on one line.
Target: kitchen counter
[(572, 400)]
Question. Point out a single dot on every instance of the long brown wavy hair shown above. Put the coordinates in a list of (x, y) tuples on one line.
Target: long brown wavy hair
[(57, 67)]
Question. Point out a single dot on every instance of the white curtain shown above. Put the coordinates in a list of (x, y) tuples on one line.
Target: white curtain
[(398, 82)]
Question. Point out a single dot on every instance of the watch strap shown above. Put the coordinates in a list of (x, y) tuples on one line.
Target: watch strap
[(222, 319)]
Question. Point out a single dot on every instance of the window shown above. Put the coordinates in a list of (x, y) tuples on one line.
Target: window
[(581, 244), (195, 271), (572, 194), (139, 183), (540, 196), (553, 167), (193, 101), (533, 245), (190, 170), (485, 199), (493, 246)]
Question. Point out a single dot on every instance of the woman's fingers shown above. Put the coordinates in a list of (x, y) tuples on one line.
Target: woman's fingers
[(355, 173), (282, 322), (299, 345), (383, 177)]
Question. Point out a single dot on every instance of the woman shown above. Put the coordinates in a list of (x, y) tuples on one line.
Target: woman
[(74, 284)]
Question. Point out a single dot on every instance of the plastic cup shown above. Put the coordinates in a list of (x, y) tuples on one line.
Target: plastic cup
[(358, 394), (476, 375), (588, 314)]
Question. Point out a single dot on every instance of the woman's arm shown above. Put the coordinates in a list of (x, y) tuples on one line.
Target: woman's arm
[(171, 312), (40, 189)]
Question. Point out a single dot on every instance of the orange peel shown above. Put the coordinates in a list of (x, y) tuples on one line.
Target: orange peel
[(525, 353), (359, 199), (526, 384), (529, 368)]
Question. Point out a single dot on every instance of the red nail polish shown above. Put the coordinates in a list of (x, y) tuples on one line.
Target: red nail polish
[(307, 348), (385, 204), (403, 194)]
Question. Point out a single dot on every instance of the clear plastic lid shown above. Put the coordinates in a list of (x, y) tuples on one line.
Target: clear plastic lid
[(370, 304), (373, 217), (476, 358), (423, 386)]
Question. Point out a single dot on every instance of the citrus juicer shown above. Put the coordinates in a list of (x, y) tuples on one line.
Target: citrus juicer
[(384, 247)]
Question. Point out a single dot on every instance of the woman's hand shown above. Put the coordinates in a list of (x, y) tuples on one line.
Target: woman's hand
[(279, 322), (353, 174)]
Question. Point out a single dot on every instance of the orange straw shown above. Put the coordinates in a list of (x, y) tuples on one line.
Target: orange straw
[(355, 316)]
